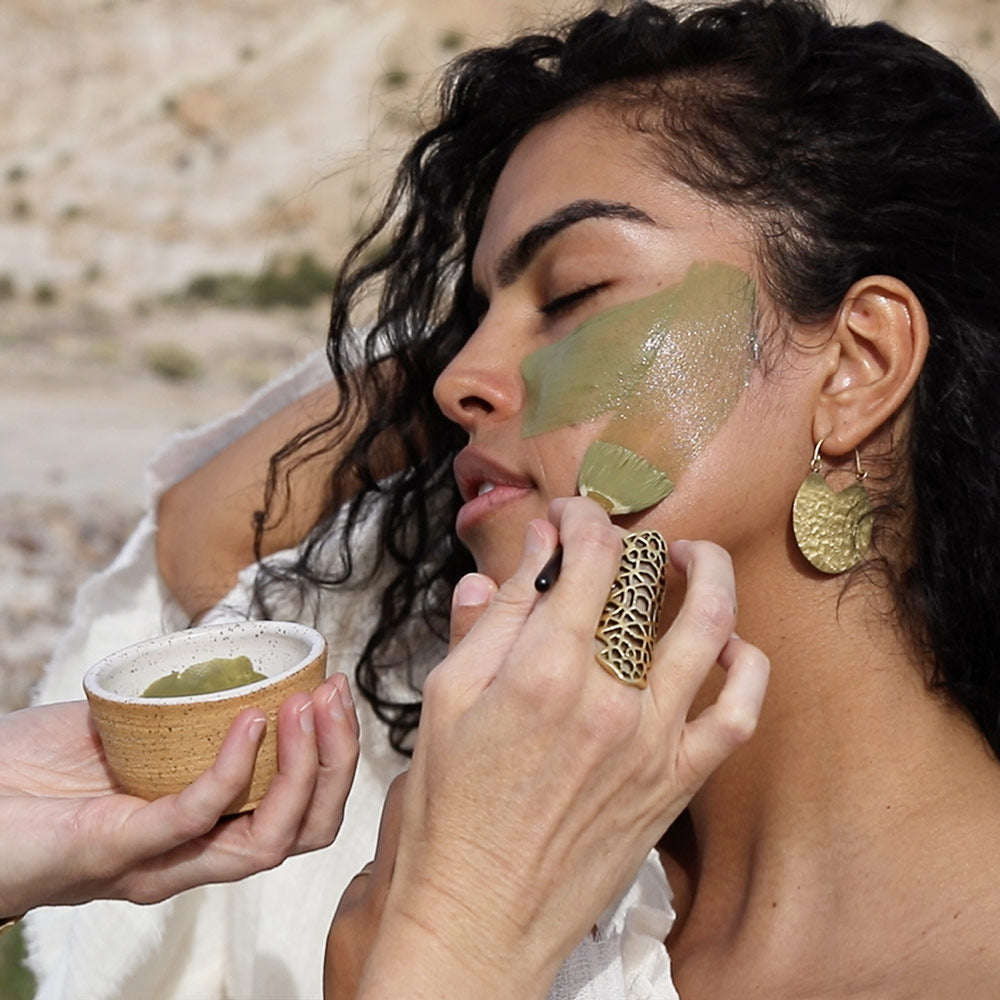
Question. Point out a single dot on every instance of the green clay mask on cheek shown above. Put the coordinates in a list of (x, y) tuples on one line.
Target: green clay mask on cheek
[(667, 369)]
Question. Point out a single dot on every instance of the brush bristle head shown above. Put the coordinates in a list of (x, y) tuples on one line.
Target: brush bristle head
[(620, 480)]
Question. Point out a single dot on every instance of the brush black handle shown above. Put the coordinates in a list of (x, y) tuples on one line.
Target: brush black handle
[(550, 571)]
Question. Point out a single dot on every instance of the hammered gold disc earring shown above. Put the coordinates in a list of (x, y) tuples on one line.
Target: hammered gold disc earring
[(832, 530)]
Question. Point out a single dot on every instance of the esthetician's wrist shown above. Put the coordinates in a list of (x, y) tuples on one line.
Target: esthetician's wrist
[(433, 953)]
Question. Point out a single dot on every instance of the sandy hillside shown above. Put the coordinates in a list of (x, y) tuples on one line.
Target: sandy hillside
[(145, 143)]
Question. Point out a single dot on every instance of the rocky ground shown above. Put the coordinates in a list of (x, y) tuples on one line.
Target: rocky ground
[(143, 144)]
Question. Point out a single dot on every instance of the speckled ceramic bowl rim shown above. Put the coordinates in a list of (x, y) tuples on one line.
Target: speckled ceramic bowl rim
[(315, 645)]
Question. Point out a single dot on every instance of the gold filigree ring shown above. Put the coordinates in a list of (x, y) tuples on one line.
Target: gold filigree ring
[(626, 632)]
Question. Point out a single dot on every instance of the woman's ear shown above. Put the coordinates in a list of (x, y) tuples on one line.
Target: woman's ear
[(876, 350)]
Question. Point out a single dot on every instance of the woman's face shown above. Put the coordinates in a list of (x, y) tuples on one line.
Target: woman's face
[(621, 310)]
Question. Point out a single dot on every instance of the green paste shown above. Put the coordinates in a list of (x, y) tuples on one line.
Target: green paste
[(665, 371), (219, 674)]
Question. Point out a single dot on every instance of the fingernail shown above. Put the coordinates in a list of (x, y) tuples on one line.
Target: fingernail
[(472, 591), (339, 701), (344, 691), (334, 703), (306, 719), (256, 730), (346, 701), (534, 541)]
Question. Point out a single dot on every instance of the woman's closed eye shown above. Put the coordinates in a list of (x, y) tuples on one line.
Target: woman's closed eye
[(564, 303)]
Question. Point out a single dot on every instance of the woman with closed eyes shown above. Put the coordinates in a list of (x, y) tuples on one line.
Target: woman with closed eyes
[(749, 247)]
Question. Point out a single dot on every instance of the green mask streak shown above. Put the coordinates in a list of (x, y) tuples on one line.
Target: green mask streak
[(669, 368)]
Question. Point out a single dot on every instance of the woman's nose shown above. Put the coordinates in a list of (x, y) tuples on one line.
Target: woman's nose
[(481, 383)]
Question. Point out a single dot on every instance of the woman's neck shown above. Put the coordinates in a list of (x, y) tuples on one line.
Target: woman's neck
[(802, 848)]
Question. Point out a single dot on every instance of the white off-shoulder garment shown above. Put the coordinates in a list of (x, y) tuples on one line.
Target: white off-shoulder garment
[(263, 938)]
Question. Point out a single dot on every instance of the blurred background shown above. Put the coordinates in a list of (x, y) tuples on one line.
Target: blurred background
[(177, 180)]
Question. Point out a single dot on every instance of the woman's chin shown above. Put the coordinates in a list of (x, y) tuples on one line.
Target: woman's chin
[(497, 567)]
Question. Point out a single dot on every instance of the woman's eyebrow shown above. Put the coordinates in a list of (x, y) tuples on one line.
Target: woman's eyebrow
[(518, 255)]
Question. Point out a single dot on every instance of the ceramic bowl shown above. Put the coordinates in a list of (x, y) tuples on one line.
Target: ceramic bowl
[(156, 746)]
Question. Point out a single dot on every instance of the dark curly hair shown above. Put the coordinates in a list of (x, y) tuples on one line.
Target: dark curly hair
[(852, 150)]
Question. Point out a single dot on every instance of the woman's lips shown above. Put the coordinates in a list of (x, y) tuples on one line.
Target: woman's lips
[(485, 486), (479, 507)]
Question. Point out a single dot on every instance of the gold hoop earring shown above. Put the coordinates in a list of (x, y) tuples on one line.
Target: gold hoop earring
[(832, 530)]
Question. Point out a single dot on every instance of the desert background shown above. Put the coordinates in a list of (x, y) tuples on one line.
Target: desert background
[(177, 178)]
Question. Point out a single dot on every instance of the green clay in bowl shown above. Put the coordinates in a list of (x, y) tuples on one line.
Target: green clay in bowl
[(218, 674), (157, 745)]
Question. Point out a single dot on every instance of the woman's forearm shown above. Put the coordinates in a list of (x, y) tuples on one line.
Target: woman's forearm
[(205, 522)]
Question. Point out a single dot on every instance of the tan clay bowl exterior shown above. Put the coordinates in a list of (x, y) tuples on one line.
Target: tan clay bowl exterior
[(156, 746)]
